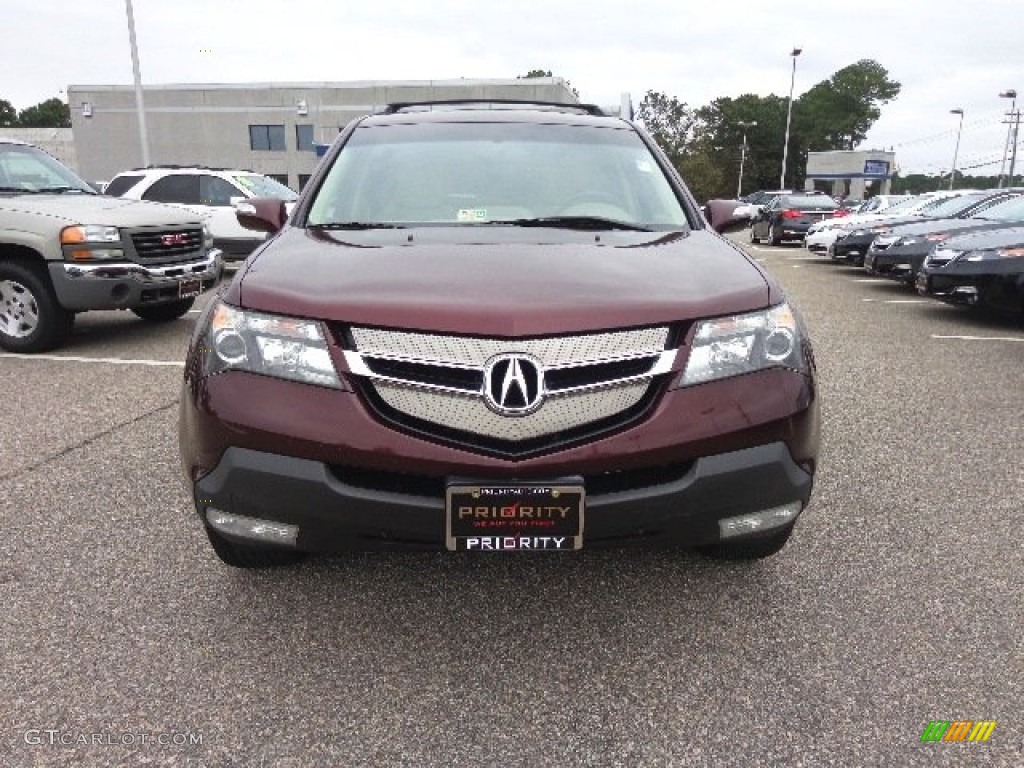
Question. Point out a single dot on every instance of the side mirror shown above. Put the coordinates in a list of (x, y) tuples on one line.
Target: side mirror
[(721, 216), (262, 214)]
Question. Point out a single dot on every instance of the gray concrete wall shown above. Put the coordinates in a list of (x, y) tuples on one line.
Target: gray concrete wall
[(209, 124)]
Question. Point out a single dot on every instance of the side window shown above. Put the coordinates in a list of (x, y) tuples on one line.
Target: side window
[(121, 184), (281, 177), (214, 190), (178, 188)]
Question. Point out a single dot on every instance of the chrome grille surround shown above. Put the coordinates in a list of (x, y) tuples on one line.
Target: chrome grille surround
[(438, 379)]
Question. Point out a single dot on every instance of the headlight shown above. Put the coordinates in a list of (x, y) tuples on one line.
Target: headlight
[(990, 254), (207, 238), (272, 345), (731, 346), (84, 242)]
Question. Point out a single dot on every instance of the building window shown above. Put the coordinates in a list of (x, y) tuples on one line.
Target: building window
[(281, 177), (303, 180), (267, 137), (304, 138)]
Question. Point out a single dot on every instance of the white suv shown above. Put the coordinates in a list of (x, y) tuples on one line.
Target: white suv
[(209, 192)]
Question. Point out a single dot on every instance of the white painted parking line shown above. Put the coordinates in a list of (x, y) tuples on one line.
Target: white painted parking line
[(194, 311), (871, 280), (803, 258), (898, 301), (104, 360), (981, 338)]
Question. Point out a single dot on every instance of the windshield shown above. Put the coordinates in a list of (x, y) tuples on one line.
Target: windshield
[(26, 169), (264, 186), (904, 205), (1005, 210), (477, 173), (951, 206)]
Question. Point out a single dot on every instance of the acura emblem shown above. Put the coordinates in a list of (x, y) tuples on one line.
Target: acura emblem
[(513, 384)]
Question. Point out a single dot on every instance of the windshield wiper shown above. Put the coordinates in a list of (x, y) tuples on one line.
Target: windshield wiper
[(62, 190), (572, 222), (357, 225)]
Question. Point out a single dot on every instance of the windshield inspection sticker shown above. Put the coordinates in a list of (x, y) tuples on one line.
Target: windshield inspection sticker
[(472, 214)]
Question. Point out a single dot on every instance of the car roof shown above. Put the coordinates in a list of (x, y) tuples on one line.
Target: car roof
[(506, 114), (6, 140)]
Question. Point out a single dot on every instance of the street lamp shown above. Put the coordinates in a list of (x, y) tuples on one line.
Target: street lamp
[(789, 117), (956, 149), (743, 153), (1011, 136)]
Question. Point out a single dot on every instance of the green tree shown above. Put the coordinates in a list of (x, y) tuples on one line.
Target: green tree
[(52, 113), (838, 113), (670, 122), (718, 127), (8, 114)]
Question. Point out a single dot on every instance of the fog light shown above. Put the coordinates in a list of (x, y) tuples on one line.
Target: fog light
[(252, 527), (765, 520)]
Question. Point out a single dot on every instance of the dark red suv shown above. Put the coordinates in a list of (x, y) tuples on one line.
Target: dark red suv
[(496, 327)]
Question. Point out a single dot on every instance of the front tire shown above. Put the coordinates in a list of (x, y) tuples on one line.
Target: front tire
[(749, 549), (164, 313), (251, 556), (31, 319)]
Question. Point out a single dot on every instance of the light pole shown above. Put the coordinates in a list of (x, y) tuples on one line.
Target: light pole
[(789, 117), (956, 149), (743, 153), (140, 108), (1014, 125)]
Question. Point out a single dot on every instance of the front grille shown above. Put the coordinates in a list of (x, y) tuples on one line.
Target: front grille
[(166, 244), (434, 385)]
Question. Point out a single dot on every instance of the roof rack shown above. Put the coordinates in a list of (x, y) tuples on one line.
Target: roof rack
[(428, 105)]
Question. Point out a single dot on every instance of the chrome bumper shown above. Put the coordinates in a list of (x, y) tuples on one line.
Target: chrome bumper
[(201, 269)]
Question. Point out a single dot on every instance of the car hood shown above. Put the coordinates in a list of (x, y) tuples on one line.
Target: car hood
[(527, 282), (98, 209)]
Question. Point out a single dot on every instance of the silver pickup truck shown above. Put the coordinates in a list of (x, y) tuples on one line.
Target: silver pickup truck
[(65, 249)]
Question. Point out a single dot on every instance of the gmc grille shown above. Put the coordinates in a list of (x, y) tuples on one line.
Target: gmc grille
[(167, 244)]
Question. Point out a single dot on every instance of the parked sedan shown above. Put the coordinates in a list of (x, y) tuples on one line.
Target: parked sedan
[(978, 268), (788, 217), (900, 252), (852, 245), (822, 235)]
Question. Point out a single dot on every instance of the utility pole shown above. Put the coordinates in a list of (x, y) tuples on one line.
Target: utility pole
[(1011, 138)]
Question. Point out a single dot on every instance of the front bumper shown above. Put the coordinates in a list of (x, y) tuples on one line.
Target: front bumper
[(851, 249), (997, 285), (324, 462), (333, 513), (898, 263), (123, 285)]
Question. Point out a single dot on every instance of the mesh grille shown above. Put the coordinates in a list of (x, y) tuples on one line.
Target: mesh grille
[(463, 350), (470, 414)]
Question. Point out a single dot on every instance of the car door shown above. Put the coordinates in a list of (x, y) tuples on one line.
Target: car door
[(219, 196), (766, 216)]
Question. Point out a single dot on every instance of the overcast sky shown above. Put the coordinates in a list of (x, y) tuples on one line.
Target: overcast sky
[(945, 54)]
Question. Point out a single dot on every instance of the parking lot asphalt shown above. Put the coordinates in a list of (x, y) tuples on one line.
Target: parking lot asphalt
[(897, 602)]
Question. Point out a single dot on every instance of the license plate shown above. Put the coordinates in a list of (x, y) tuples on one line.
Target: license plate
[(517, 516), (189, 288)]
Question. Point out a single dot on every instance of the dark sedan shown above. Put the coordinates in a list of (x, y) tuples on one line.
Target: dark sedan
[(899, 253), (788, 217), (853, 245), (983, 268)]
